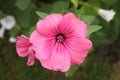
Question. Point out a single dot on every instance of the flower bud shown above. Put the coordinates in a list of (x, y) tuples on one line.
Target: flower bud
[(107, 15)]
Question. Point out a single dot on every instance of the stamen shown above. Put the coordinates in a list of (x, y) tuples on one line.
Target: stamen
[(60, 38)]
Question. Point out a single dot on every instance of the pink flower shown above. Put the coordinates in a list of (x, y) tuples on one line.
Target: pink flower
[(24, 48), (60, 41)]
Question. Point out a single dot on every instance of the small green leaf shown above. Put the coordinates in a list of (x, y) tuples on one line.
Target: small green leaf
[(72, 70), (93, 28), (31, 29), (88, 19), (41, 14), (15, 31), (45, 7), (22, 4), (60, 6), (26, 18), (75, 3)]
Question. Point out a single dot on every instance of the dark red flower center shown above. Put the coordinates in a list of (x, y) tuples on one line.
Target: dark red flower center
[(60, 37)]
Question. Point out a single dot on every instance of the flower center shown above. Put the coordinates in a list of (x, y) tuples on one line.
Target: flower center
[(60, 38)]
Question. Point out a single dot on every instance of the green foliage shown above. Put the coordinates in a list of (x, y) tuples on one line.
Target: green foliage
[(15, 31), (28, 17), (75, 3), (95, 69), (46, 7), (1, 13), (60, 6), (109, 2), (42, 15), (93, 28), (72, 70), (22, 4), (88, 19)]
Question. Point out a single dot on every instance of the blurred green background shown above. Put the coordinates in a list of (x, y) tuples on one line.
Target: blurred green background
[(103, 61)]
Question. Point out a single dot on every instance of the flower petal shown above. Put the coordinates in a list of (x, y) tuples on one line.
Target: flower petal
[(49, 26), (71, 26), (78, 49), (31, 58), (59, 60), (42, 46), (46, 64), (22, 46)]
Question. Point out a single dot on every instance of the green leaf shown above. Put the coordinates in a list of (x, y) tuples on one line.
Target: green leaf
[(31, 29), (41, 14), (75, 3), (15, 31), (87, 10), (26, 18), (60, 6), (22, 4), (88, 19), (93, 28), (110, 2), (72, 70), (46, 7)]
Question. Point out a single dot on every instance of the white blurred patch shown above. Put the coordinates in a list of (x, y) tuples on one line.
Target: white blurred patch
[(7, 23), (2, 31), (12, 39), (107, 15)]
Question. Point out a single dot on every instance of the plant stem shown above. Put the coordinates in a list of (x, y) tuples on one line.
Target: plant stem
[(86, 4)]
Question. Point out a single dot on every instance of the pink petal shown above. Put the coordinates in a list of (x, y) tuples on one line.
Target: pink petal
[(22, 46), (31, 58), (78, 49), (42, 46), (46, 64), (59, 60), (49, 26), (71, 26)]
